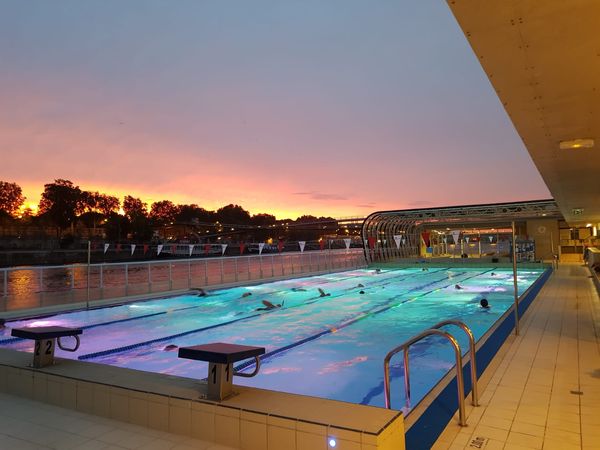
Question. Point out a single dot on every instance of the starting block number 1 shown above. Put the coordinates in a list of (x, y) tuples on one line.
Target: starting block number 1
[(219, 380)]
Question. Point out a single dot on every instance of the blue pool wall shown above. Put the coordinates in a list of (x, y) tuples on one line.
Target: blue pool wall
[(425, 431)]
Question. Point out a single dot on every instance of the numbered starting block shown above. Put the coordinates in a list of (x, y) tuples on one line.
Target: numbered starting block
[(46, 338), (220, 357)]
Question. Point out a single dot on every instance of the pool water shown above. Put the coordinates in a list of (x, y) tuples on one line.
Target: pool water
[(331, 346)]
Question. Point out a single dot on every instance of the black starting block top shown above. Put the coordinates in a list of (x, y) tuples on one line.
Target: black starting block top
[(39, 333), (220, 352)]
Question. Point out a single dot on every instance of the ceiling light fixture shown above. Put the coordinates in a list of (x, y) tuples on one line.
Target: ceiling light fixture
[(576, 143)]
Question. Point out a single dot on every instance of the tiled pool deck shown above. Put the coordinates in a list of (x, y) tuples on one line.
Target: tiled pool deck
[(541, 391)]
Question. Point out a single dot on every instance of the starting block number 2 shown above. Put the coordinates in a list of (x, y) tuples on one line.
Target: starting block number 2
[(47, 344)]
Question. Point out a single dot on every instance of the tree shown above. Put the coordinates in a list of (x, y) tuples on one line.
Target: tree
[(107, 204), (11, 198), (137, 215), (233, 214), (134, 207), (163, 212), (61, 202)]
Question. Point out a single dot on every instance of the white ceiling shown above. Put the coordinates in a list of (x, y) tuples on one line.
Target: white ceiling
[(543, 59)]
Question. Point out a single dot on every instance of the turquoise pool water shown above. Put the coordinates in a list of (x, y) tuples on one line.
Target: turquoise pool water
[(331, 347)]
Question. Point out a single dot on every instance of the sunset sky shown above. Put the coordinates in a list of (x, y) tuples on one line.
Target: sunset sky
[(336, 107)]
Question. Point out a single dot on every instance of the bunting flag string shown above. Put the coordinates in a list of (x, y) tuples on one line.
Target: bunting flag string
[(491, 238), (347, 241), (260, 248), (159, 249), (146, 247), (280, 246), (322, 244), (132, 249), (207, 248), (242, 247), (223, 247), (397, 240), (106, 247), (302, 244), (425, 235), (118, 248), (467, 239), (455, 235), (371, 241), (191, 248), (173, 250)]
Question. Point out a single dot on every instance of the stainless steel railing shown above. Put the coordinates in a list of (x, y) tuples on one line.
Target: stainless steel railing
[(459, 365)]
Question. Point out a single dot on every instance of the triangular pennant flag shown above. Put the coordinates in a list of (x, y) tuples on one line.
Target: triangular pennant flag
[(397, 240), (191, 248), (207, 248), (223, 247), (94, 246), (347, 241), (132, 249), (491, 238), (260, 248), (445, 239), (371, 240), (106, 247), (455, 234), (173, 249), (301, 244), (146, 247), (159, 249), (322, 244), (118, 248), (425, 235), (467, 239), (242, 247), (403, 240), (280, 246)]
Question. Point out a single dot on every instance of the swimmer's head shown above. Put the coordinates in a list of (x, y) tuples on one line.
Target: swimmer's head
[(361, 292), (484, 303)]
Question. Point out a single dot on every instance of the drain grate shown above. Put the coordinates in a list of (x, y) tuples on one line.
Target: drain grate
[(478, 442)]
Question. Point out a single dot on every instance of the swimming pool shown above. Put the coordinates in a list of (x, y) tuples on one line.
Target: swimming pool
[(331, 347)]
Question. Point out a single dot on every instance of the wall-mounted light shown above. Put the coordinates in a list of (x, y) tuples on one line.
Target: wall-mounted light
[(576, 144)]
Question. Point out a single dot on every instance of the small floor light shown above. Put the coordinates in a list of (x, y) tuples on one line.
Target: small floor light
[(332, 442)]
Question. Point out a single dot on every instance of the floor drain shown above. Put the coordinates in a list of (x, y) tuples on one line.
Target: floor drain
[(478, 442), (577, 392)]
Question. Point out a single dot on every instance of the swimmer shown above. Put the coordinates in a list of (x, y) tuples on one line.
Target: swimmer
[(377, 270), (322, 293), (361, 292), (298, 289), (424, 269), (246, 294), (201, 292), (493, 274), (269, 306), (359, 285), (170, 348), (457, 286), (484, 303)]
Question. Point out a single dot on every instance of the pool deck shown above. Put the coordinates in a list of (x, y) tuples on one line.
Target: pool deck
[(542, 390)]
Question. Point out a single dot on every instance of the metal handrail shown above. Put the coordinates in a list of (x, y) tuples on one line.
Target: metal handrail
[(405, 346), (467, 330), (254, 373)]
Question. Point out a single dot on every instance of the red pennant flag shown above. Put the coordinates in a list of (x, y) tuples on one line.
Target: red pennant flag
[(242, 247), (173, 249), (146, 247), (425, 235), (207, 248), (371, 240), (280, 246), (322, 244), (94, 245), (118, 248)]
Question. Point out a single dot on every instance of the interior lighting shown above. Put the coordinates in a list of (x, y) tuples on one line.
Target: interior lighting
[(576, 143), (332, 443)]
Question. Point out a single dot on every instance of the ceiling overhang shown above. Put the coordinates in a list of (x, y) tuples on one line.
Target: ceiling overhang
[(543, 60)]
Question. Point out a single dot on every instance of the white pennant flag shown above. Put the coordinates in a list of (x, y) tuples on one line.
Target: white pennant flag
[(159, 249), (445, 239), (467, 239), (455, 234), (191, 247), (347, 241), (491, 238), (260, 248), (106, 247), (223, 247), (403, 240), (132, 249), (301, 244), (397, 240)]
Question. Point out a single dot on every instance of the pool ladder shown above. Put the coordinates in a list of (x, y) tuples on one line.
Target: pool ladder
[(435, 330)]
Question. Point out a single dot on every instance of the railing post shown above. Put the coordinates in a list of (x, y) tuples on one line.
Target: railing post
[(281, 257), (272, 266), (41, 285), (205, 272), (149, 278), (126, 279), (170, 275), (5, 285), (236, 268), (189, 273), (222, 274), (102, 276), (406, 378), (72, 277), (516, 289)]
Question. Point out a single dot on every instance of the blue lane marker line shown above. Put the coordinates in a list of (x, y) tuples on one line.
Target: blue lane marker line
[(368, 313)]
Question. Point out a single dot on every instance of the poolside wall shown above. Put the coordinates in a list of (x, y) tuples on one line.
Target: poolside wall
[(427, 428), (255, 419)]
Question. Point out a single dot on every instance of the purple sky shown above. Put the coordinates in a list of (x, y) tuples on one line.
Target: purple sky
[(336, 107)]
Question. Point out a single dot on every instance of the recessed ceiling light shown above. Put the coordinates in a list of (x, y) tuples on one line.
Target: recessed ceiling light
[(576, 143)]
